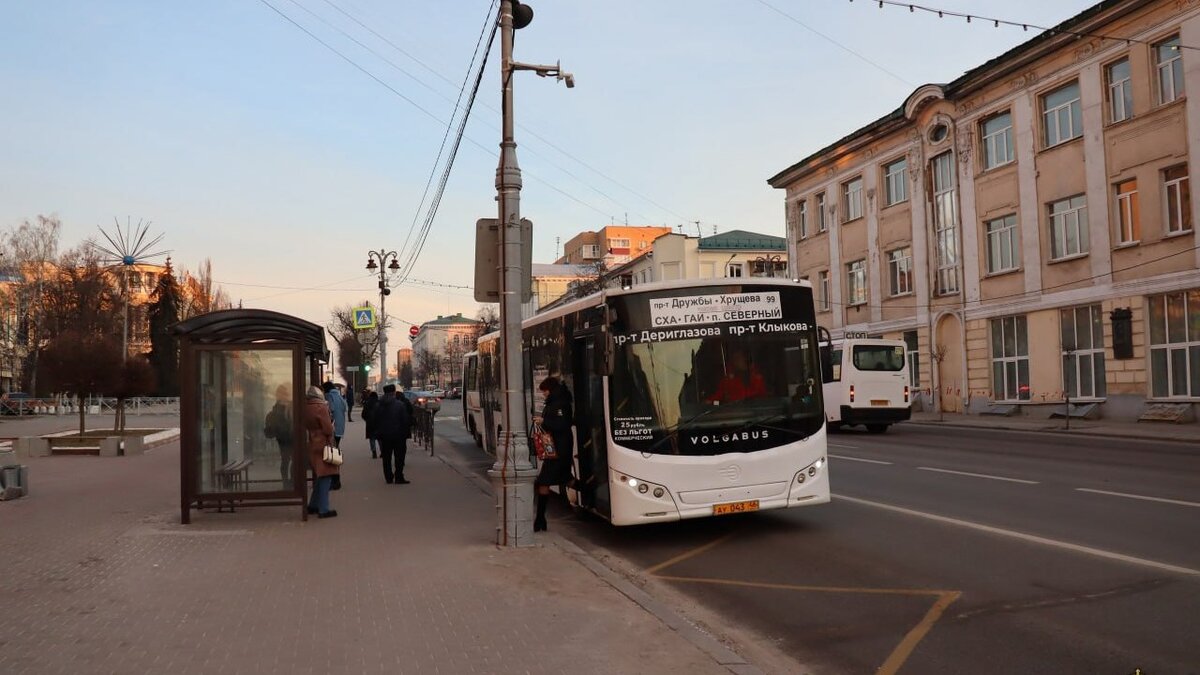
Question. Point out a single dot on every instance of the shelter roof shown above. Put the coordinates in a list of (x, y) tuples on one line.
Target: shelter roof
[(253, 325)]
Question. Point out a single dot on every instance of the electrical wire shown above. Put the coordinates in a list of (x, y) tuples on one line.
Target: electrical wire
[(841, 46), (1024, 25)]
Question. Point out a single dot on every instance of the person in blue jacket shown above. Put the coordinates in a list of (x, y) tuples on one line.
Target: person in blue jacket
[(337, 411)]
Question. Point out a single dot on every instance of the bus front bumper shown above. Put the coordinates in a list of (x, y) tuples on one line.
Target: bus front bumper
[(875, 415)]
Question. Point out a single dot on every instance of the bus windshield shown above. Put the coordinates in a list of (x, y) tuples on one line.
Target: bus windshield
[(734, 389)]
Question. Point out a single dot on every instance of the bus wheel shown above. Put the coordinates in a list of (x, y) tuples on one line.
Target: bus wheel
[(876, 428)]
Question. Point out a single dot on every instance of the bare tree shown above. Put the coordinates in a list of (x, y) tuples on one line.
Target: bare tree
[(488, 317), (425, 364), (594, 282), (355, 347), (201, 295), (31, 249), (83, 363), (938, 354)]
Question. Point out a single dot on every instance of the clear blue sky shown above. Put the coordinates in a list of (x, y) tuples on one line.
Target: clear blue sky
[(246, 141)]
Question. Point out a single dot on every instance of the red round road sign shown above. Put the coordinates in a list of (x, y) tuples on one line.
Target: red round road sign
[(413, 330)]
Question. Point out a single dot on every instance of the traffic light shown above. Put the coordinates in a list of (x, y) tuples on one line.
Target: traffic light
[(367, 368)]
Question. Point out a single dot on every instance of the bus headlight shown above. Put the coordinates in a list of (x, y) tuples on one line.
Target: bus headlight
[(810, 471), (643, 488), (819, 463), (658, 492)]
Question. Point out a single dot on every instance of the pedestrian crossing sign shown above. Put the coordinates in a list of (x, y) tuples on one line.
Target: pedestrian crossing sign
[(364, 318)]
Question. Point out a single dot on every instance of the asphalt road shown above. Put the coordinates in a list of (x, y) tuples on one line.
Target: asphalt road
[(954, 551)]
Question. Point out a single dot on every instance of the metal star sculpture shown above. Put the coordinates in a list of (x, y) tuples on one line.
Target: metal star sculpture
[(128, 246)]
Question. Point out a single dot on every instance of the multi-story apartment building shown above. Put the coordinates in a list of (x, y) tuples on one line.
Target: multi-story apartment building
[(736, 253), (612, 244), (1028, 228)]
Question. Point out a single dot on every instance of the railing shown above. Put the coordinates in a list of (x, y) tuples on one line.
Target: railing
[(423, 429), (95, 405)]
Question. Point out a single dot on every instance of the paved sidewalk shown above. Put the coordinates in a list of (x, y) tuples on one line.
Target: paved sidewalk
[(1142, 430), (97, 576)]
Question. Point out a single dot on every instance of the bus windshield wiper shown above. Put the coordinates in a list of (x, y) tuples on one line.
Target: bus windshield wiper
[(674, 431)]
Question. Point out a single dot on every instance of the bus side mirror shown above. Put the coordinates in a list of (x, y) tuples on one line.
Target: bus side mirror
[(826, 353)]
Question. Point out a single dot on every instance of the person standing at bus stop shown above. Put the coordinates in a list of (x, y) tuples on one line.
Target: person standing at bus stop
[(337, 412), (556, 419), (320, 433), (392, 424)]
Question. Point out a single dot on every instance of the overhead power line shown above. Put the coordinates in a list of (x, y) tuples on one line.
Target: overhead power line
[(1023, 25), (839, 45)]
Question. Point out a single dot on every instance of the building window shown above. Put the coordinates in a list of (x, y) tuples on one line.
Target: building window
[(1168, 61), (821, 224), (1010, 359), (618, 243), (997, 140), (1068, 227), (1083, 351), (733, 270), (1003, 249), (643, 244), (1175, 345), (1062, 116), (823, 290), (945, 220), (914, 358), (852, 196), (900, 271), (1129, 223), (1179, 199), (856, 283), (802, 216), (895, 182), (590, 251), (1120, 91), (768, 266)]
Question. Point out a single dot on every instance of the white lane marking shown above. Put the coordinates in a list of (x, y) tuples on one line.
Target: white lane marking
[(1164, 500), (978, 475), (1077, 548), (842, 445), (859, 459)]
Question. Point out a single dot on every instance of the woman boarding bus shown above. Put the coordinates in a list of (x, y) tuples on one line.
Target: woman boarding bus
[(692, 398)]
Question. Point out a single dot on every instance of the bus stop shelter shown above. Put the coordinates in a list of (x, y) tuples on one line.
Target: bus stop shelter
[(243, 375)]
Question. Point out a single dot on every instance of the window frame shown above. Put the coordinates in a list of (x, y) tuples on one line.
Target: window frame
[(1019, 324), (853, 197), (823, 289), (1094, 354), (900, 272), (988, 144), (856, 270), (730, 268), (822, 222), (1125, 86), (1174, 65), (946, 246), (1128, 220), (1074, 108), (1006, 232), (1079, 214), (802, 217), (1183, 201), (1172, 345), (895, 178)]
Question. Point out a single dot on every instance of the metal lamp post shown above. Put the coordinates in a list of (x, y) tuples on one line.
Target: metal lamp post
[(513, 473), (382, 256)]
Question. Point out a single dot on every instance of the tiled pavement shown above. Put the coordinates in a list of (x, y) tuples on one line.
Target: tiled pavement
[(97, 576)]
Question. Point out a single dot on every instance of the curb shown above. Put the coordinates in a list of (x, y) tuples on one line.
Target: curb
[(717, 651), (1067, 432)]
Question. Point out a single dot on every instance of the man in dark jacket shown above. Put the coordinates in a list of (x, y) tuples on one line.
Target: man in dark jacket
[(392, 422)]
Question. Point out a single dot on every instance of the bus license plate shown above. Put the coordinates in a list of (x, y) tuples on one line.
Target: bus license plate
[(880, 402), (735, 507)]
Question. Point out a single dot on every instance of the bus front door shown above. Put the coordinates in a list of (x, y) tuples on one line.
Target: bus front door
[(592, 465)]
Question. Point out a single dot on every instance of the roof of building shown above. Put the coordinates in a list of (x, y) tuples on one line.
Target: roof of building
[(955, 87), (562, 270), (453, 319), (741, 239)]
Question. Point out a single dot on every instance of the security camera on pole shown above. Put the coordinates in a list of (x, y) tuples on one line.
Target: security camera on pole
[(513, 473)]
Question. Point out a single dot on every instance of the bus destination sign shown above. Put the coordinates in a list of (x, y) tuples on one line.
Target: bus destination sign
[(720, 308)]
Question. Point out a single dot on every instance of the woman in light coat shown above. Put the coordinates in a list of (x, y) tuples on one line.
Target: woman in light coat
[(320, 433)]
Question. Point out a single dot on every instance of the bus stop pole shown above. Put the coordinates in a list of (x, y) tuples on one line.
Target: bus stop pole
[(513, 473)]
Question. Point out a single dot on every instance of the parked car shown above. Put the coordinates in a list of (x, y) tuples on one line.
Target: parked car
[(438, 393), (454, 393), (424, 399)]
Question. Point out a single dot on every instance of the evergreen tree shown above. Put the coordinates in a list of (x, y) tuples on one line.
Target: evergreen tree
[(164, 347)]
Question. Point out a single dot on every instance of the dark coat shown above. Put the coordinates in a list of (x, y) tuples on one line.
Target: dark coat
[(558, 417), (391, 419), (368, 414), (320, 433)]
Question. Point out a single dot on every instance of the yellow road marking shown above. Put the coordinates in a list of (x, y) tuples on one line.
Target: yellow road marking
[(905, 649), (900, 653), (686, 555)]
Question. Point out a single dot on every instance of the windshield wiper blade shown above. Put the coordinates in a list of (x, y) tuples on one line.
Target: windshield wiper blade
[(674, 431)]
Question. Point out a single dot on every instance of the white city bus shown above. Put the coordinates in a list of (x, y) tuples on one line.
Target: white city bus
[(691, 398), (866, 382), (472, 412)]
